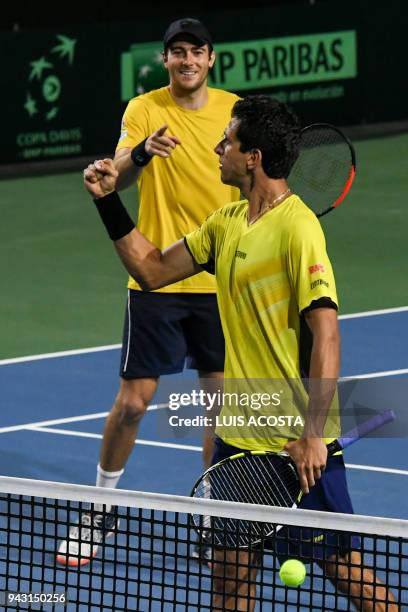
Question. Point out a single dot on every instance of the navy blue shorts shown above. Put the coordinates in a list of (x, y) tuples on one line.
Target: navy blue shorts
[(330, 494), (165, 331)]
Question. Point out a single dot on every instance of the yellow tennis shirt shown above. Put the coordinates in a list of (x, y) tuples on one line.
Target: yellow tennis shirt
[(267, 273), (176, 194)]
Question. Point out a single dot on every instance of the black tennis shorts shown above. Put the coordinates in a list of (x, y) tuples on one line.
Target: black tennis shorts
[(163, 332)]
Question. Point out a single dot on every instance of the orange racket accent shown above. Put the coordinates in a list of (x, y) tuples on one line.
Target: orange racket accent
[(324, 172), (346, 187)]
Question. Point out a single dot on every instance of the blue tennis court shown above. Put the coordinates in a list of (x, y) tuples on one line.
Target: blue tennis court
[(54, 411), (55, 407)]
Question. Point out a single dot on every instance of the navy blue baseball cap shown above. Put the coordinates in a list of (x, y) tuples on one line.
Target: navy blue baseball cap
[(187, 29)]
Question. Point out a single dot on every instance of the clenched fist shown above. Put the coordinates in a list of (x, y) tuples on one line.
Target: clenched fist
[(100, 178)]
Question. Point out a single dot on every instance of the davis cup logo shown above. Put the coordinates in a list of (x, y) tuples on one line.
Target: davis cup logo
[(44, 81)]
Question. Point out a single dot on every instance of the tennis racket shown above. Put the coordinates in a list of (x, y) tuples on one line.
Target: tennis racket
[(264, 478), (325, 169)]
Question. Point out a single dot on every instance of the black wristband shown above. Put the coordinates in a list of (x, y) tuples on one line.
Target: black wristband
[(114, 215), (139, 155)]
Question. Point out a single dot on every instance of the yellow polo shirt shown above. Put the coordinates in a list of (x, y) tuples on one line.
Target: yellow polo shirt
[(267, 273), (176, 194)]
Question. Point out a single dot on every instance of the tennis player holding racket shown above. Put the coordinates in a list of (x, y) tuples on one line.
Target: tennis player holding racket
[(278, 306)]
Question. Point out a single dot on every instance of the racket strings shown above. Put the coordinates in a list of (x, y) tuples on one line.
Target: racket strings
[(264, 479), (232, 485), (224, 490), (274, 487), (255, 479), (252, 487), (323, 173), (214, 487), (331, 176), (279, 493), (276, 476)]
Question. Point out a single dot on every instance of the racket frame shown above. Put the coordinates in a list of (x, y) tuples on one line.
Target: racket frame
[(334, 447), (352, 173)]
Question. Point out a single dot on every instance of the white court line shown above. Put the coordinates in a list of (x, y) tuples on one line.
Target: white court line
[(111, 347), (373, 313), (83, 434), (83, 417), (95, 349), (374, 374), (372, 468)]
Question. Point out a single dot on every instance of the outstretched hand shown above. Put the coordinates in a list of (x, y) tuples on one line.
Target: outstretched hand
[(100, 178), (161, 145)]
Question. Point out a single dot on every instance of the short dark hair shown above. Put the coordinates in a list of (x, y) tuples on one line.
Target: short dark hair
[(273, 128)]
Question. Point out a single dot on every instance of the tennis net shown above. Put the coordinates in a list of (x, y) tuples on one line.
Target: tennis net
[(146, 565)]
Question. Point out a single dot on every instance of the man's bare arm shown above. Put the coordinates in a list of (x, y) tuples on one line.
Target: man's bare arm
[(310, 452), (153, 268), (324, 367), (157, 144), (148, 265), (128, 172)]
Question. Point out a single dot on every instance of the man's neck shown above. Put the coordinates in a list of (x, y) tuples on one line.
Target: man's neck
[(265, 195), (190, 100)]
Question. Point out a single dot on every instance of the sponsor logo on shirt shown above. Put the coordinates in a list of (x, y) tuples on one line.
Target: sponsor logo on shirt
[(318, 282), (317, 268), (240, 254)]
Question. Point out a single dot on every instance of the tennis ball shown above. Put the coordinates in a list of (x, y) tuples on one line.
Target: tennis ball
[(292, 573)]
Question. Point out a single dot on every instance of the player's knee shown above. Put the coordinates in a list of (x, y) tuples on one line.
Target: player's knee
[(130, 409), (228, 578), (224, 587)]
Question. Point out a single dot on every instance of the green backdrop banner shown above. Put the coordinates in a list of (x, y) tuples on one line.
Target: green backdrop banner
[(63, 92), (254, 65), (291, 60)]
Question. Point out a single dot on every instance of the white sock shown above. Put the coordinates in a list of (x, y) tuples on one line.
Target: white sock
[(108, 480)]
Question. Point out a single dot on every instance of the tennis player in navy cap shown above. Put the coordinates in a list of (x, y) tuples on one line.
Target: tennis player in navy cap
[(166, 145)]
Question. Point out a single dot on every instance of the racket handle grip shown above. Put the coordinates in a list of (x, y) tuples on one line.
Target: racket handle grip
[(360, 431)]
